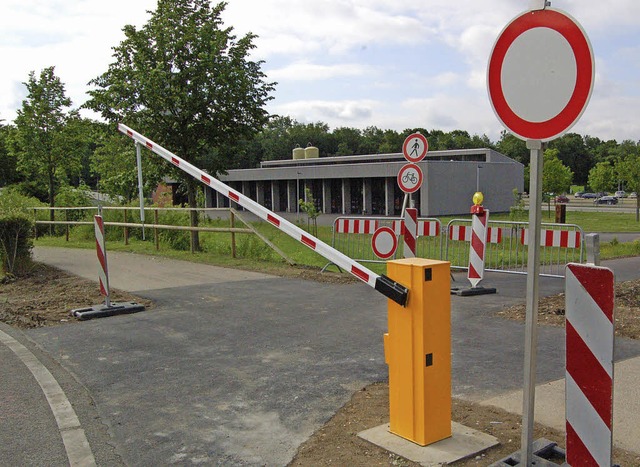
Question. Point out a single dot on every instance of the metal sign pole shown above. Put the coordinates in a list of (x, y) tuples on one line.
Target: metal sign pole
[(531, 328), (140, 191)]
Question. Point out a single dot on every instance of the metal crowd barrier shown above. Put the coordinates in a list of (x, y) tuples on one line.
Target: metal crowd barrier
[(506, 249), (507, 246), (352, 236)]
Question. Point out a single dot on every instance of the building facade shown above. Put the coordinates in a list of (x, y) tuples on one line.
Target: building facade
[(367, 185)]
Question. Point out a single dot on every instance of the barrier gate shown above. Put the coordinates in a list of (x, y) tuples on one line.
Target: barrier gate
[(507, 246)]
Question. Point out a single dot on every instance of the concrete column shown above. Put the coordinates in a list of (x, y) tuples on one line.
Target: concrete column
[(326, 196), (292, 202), (246, 189), (367, 198), (346, 196), (219, 200), (260, 193), (209, 198), (275, 196), (389, 190)]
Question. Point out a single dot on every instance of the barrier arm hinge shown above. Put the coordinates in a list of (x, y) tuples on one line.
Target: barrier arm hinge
[(392, 289)]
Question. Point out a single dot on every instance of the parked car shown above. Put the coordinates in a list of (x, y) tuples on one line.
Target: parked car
[(589, 195), (633, 194), (578, 194), (607, 200), (562, 199), (620, 194)]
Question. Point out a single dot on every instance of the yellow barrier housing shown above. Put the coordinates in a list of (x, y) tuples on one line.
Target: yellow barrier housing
[(417, 349)]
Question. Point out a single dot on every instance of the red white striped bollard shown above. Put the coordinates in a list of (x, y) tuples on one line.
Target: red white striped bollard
[(410, 231), (589, 296), (103, 272), (478, 240)]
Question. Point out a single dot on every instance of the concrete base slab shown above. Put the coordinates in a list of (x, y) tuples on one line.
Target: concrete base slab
[(464, 442)]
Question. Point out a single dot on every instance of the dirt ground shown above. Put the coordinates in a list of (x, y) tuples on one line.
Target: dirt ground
[(46, 296)]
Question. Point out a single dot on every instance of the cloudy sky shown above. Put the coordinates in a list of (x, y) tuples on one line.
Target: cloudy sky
[(393, 64)]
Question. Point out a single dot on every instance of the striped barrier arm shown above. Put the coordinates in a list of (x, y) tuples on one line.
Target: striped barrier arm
[(388, 287)]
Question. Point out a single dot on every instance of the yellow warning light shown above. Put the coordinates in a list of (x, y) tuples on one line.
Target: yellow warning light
[(478, 198)]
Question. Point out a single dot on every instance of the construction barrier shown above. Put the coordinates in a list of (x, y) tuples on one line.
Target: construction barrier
[(352, 236), (410, 233), (101, 252), (589, 303), (507, 245)]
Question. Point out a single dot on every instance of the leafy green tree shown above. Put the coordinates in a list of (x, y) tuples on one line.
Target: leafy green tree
[(573, 153), (8, 172), (556, 177), (513, 147), (602, 177), (187, 82), (629, 170), (45, 143)]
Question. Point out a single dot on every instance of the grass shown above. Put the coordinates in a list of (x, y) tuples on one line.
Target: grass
[(253, 254)]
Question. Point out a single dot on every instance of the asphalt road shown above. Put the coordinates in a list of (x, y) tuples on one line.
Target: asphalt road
[(240, 368)]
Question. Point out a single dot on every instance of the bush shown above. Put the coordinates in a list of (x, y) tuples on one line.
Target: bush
[(16, 232), (16, 242)]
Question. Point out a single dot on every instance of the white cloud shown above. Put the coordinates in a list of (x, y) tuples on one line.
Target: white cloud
[(303, 71), (335, 113)]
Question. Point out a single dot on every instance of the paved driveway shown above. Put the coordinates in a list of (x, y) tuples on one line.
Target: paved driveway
[(240, 368)]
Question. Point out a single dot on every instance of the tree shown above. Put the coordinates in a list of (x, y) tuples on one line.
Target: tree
[(44, 142), (602, 177), (629, 170), (186, 81), (556, 177), (8, 173)]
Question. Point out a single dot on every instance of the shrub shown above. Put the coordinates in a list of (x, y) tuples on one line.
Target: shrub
[(16, 232)]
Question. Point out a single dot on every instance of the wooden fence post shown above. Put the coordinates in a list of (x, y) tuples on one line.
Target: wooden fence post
[(126, 229), (232, 219), (156, 239)]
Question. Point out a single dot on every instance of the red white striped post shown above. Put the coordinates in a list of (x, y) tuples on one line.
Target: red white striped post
[(103, 272), (589, 297), (410, 232), (478, 241)]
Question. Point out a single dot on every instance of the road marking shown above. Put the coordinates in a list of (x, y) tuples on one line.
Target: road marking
[(75, 442)]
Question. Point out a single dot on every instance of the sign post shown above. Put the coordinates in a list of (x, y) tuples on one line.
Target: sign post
[(539, 79)]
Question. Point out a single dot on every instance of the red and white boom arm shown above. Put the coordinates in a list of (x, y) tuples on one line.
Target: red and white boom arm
[(381, 283)]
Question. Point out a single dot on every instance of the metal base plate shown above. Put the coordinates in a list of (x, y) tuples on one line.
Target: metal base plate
[(472, 291), (102, 311), (545, 454)]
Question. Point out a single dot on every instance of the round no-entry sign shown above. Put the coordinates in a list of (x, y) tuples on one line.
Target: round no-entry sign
[(415, 147), (540, 74), (410, 178), (384, 242)]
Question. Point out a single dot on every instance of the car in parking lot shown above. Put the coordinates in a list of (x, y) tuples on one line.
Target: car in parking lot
[(606, 200), (620, 194), (589, 195), (578, 194), (633, 194), (562, 199)]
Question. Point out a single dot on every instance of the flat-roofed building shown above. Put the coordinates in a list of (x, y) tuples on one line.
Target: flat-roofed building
[(368, 184)]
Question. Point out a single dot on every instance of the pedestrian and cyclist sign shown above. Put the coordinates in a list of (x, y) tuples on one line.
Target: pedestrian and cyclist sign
[(540, 74)]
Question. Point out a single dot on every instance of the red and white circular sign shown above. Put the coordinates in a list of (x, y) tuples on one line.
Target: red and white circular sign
[(410, 178), (540, 74), (415, 147), (384, 242)]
